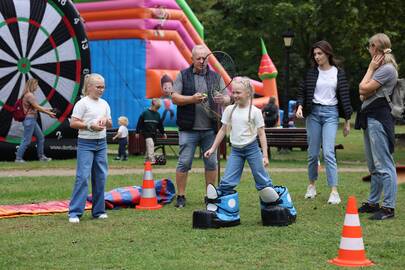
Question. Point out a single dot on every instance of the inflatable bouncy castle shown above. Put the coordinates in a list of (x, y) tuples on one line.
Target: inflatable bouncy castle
[(132, 43), (135, 43)]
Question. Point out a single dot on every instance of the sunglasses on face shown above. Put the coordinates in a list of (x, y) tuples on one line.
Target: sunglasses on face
[(372, 45)]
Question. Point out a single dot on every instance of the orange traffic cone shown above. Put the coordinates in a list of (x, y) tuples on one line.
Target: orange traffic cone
[(351, 251), (148, 197)]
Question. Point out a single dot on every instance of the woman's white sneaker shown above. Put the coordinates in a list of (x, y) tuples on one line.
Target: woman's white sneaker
[(334, 198), (102, 216), (311, 192), (74, 220)]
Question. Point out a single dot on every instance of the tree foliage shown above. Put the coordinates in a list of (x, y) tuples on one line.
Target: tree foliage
[(235, 26)]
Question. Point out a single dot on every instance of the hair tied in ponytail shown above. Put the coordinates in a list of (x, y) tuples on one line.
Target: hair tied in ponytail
[(387, 51)]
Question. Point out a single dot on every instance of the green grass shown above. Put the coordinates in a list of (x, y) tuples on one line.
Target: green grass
[(164, 239)]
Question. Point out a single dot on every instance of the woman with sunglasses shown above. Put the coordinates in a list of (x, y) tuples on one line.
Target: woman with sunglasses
[(378, 124)]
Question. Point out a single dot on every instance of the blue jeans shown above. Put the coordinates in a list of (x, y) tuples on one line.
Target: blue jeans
[(380, 164), (91, 162), (122, 152), (188, 141), (235, 164), (322, 125), (31, 127)]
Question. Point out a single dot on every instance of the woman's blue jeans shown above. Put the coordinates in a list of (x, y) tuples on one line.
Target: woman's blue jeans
[(380, 164), (235, 164), (322, 125), (91, 163), (31, 127)]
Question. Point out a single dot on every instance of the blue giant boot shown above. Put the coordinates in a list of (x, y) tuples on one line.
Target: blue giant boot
[(222, 211), (226, 207), (276, 206)]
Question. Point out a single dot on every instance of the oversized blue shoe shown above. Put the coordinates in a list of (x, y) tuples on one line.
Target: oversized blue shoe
[(277, 212), (222, 211)]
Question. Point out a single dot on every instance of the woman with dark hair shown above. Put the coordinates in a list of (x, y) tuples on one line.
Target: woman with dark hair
[(322, 98), (378, 124)]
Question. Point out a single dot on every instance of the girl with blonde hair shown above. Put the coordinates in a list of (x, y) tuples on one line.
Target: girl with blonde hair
[(91, 116), (379, 127), (246, 123)]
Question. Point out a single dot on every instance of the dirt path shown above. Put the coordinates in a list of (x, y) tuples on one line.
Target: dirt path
[(124, 171)]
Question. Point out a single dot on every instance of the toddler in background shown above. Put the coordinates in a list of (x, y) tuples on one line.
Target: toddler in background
[(122, 136)]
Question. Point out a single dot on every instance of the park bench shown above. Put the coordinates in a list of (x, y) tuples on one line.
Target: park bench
[(171, 140), (137, 146), (288, 138), (276, 137)]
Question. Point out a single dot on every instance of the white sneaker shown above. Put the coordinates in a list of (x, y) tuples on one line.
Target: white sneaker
[(102, 216), (334, 198), (74, 220), (311, 192), (45, 159)]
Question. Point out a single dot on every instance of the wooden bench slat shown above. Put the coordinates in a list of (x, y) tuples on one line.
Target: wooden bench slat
[(276, 137)]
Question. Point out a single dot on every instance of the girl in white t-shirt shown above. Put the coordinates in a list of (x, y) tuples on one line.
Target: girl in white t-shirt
[(122, 136), (91, 116), (245, 122)]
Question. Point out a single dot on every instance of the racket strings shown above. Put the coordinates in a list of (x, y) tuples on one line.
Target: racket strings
[(226, 63)]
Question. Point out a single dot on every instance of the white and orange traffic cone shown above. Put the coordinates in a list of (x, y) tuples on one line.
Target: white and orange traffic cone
[(148, 197), (351, 251)]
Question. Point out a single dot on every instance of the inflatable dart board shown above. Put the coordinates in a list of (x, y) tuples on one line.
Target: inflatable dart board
[(45, 40)]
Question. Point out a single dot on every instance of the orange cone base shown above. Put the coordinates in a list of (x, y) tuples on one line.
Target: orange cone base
[(154, 207), (350, 263)]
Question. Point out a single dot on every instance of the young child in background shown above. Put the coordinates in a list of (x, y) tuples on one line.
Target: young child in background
[(122, 136), (148, 124), (271, 113), (245, 122)]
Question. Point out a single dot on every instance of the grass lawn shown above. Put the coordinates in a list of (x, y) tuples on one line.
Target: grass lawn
[(164, 239)]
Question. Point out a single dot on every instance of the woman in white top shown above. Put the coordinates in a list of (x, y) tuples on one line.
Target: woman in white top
[(323, 97), (91, 116)]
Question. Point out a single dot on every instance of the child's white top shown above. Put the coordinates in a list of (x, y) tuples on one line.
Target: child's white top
[(90, 111), (123, 130), (241, 133)]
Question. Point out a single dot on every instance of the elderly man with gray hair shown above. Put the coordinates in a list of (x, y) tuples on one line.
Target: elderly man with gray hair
[(197, 123)]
